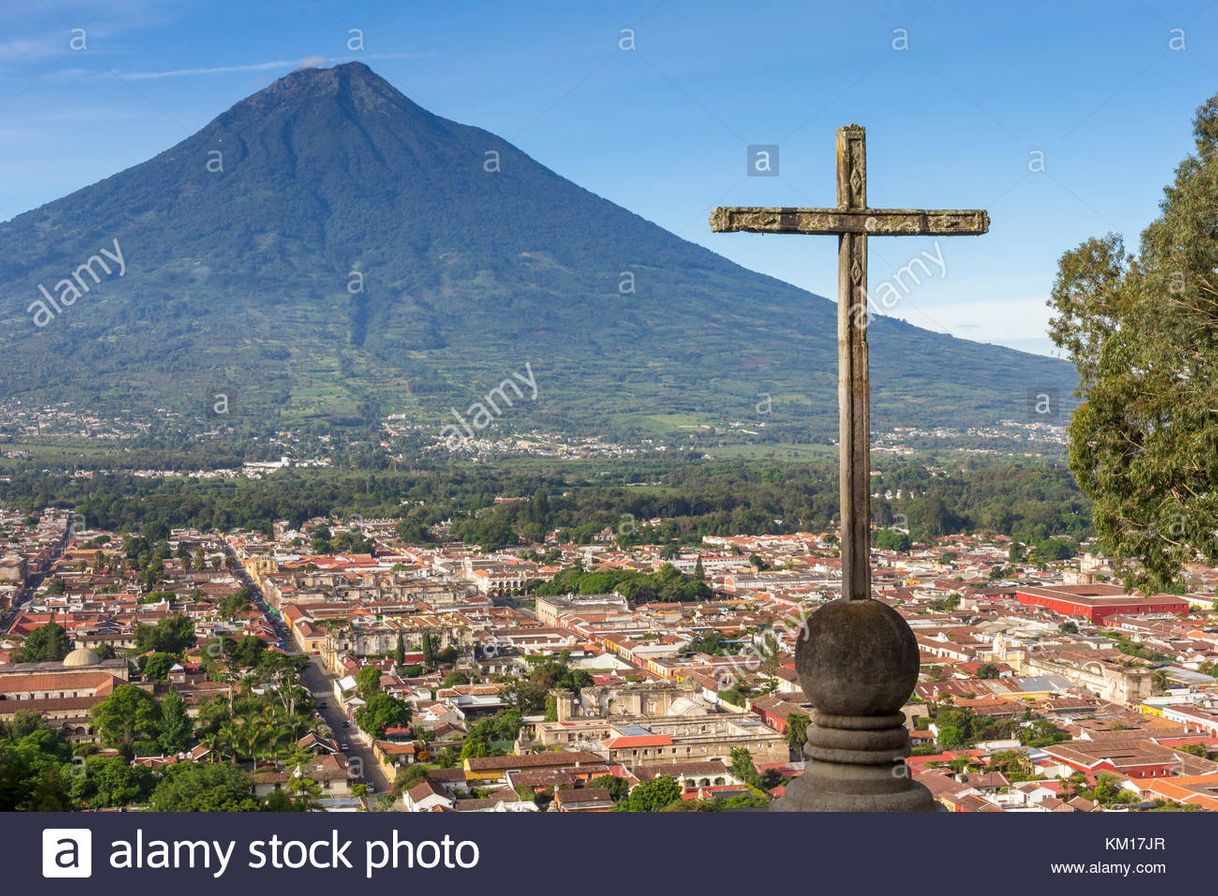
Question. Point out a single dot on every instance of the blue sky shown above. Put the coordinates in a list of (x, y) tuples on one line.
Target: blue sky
[(1104, 90)]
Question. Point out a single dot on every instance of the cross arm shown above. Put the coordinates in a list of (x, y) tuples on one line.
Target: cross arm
[(874, 221)]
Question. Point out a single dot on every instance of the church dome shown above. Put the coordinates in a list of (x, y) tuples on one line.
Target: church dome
[(683, 706), (81, 656)]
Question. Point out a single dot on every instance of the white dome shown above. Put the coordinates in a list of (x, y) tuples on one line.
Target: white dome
[(683, 706), (81, 656)]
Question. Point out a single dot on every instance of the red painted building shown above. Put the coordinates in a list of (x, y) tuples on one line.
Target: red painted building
[(1136, 757), (1096, 603)]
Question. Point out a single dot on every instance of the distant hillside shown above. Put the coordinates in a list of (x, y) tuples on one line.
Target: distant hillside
[(332, 253)]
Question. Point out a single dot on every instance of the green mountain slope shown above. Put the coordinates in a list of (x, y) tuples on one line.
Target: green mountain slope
[(247, 245)]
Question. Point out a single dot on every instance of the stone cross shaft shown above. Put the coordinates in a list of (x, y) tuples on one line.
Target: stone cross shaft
[(857, 658), (852, 222)]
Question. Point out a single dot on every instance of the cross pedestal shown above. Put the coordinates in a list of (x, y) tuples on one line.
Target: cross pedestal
[(857, 658)]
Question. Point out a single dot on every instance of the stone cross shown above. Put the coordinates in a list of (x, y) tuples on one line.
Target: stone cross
[(857, 659), (852, 221)]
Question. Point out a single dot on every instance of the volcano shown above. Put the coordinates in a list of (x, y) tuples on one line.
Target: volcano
[(331, 253)]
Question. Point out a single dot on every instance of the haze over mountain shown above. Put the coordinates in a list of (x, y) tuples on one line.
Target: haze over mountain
[(246, 246)]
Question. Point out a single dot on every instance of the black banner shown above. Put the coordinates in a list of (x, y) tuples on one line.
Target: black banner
[(617, 853)]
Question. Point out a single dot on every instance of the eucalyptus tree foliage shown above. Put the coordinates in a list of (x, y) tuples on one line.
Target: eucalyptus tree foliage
[(1143, 331)]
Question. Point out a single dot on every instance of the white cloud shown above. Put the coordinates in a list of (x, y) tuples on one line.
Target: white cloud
[(1020, 322), (32, 49), (306, 62)]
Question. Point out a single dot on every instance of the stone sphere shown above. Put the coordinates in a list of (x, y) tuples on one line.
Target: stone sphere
[(858, 658)]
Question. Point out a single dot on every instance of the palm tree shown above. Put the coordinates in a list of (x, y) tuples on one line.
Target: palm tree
[(220, 743), (241, 733)]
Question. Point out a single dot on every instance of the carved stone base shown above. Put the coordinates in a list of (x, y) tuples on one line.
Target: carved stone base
[(801, 796), (858, 663), (856, 764)]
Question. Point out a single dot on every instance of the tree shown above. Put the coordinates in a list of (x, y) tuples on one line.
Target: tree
[(367, 682), (1041, 733), (321, 540), (31, 770), (743, 769), (45, 644), (1143, 332), (21, 723), (958, 727), (892, 540), (233, 605), (617, 787), (1016, 766), (1160, 681), (710, 642), (1193, 750), (282, 801), (1048, 550), (175, 726), (474, 748), (382, 711), (399, 652), (502, 726), (711, 805), (173, 634), (480, 740), (52, 792), (127, 715), (988, 670), (951, 602), (203, 787), (1108, 791), (1069, 627), (245, 653), (157, 666), (665, 584), (409, 776), (111, 782), (652, 796), (797, 732), (287, 691), (429, 651)]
